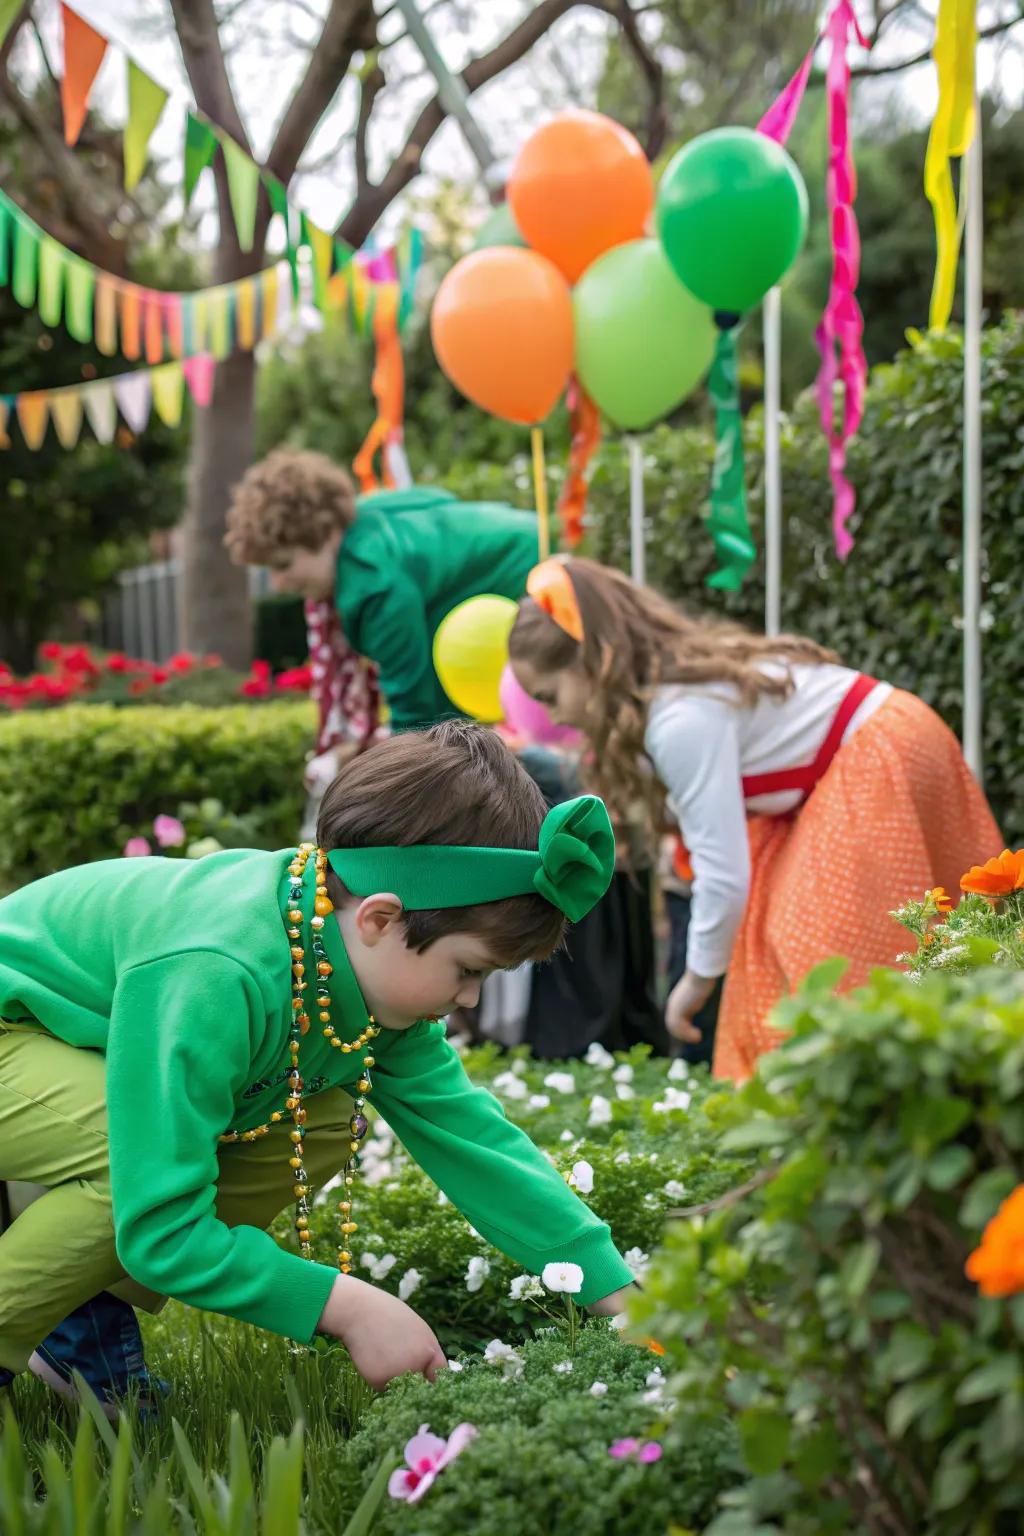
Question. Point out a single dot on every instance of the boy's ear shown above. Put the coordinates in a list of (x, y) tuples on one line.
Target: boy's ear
[(376, 916)]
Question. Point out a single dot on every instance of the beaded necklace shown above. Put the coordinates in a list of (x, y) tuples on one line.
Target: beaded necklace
[(358, 1124)]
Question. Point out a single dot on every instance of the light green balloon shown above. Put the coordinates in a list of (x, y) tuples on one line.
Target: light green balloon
[(643, 342), (499, 228)]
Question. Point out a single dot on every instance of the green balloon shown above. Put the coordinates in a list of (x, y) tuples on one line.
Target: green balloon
[(643, 343), (499, 228), (732, 215)]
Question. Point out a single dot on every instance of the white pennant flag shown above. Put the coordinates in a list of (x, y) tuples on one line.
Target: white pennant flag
[(100, 410), (134, 396)]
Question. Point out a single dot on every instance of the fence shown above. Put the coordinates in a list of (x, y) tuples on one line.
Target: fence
[(142, 617)]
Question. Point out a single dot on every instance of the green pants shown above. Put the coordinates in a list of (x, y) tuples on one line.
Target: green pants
[(60, 1250)]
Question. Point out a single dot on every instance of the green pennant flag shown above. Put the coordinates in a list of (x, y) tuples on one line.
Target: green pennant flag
[(200, 143), (51, 280), (80, 283), (146, 101), (243, 187), (727, 519), (5, 239), (26, 253), (8, 10), (279, 204)]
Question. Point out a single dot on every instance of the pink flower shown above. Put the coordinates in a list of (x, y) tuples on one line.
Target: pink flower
[(623, 1450), (168, 832), (425, 1455), (136, 848)]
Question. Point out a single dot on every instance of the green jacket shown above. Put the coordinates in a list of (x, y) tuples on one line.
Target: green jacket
[(179, 971), (409, 558)]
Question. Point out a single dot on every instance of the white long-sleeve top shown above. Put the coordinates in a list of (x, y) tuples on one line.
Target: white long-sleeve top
[(702, 741)]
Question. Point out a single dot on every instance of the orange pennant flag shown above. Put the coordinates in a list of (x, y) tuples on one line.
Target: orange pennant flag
[(33, 408), (153, 329), (131, 321), (83, 55)]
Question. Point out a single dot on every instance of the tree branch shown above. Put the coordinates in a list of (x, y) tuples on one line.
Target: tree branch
[(652, 71), (349, 27), (370, 86), (867, 72), (196, 24)]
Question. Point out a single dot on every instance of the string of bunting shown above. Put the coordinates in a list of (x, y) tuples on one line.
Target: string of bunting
[(132, 396)]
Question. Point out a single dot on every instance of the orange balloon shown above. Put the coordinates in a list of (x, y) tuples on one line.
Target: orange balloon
[(503, 333), (580, 185)]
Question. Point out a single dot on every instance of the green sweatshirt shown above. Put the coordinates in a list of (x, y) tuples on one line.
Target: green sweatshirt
[(409, 558), (179, 972)]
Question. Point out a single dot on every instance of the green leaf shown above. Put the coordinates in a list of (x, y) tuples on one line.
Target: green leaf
[(361, 1523), (817, 1456), (953, 1482), (909, 1352), (764, 1438), (985, 1195), (909, 1403), (991, 1380), (761, 1132), (824, 978), (858, 1266), (949, 1166)]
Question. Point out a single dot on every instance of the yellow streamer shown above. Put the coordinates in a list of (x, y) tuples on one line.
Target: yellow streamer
[(168, 385), (245, 313), (66, 410), (953, 128), (33, 409), (540, 493)]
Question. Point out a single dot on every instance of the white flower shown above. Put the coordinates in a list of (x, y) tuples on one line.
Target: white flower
[(408, 1283), (563, 1368), (653, 1396), (524, 1287), (598, 1389), (600, 1111), (620, 1321), (675, 1190), (560, 1082), (519, 1067), (652, 1202), (477, 1272), (379, 1267), (442, 1198), (622, 1157), (504, 1356), (597, 1056), (582, 1178), (678, 1070), (653, 1157), (539, 1101), (637, 1261), (455, 1365), (381, 1130), (564, 1277), (567, 1136), (656, 1378), (511, 1085), (624, 1091), (675, 1098), (623, 1074)]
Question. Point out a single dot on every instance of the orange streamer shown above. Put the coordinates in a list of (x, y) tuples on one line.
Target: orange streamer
[(585, 421), (388, 391)]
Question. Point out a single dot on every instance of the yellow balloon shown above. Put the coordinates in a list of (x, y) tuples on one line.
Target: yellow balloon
[(470, 652)]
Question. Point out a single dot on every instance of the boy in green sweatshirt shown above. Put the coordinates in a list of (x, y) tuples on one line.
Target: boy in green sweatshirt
[(189, 1046)]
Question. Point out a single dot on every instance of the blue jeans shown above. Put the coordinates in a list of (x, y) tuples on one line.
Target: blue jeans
[(100, 1340)]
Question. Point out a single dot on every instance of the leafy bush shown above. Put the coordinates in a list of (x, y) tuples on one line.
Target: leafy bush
[(77, 782), (981, 930), (826, 1306)]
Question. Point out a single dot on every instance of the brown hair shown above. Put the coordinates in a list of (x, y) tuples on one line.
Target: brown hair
[(634, 642), (455, 784), (292, 499)]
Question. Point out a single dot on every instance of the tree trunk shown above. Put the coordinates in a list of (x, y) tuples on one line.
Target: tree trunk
[(215, 607)]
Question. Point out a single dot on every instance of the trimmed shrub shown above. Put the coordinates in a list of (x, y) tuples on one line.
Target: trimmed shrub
[(77, 782)]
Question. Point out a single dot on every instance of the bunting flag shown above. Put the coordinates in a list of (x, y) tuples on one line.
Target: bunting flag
[(84, 49), (727, 518), (146, 101), (200, 143), (952, 130), (585, 427), (243, 190), (321, 247), (133, 395)]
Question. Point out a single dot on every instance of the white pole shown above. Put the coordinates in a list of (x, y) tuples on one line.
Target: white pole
[(637, 540), (772, 462), (972, 736)]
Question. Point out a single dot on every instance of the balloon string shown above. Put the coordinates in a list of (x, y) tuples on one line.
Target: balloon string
[(540, 493)]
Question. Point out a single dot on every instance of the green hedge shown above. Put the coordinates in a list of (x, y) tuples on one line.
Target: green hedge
[(894, 607), (76, 782)]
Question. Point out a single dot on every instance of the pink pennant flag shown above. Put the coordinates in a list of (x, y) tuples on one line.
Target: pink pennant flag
[(778, 121), (381, 268), (199, 374), (840, 333)]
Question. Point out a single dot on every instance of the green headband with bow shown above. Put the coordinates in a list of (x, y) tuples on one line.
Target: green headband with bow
[(571, 867)]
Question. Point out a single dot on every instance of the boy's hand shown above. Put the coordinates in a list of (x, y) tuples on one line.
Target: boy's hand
[(611, 1306), (384, 1337)]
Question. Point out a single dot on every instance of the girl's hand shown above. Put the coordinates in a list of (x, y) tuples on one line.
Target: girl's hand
[(687, 997), (320, 772), (384, 1337)]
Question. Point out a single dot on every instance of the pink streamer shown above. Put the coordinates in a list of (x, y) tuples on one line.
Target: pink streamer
[(199, 372), (778, 121), (840, 334)]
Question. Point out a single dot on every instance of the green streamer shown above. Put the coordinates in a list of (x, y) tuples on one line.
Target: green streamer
[(26, 253), (727, 519), (80, 284), (51, 281)]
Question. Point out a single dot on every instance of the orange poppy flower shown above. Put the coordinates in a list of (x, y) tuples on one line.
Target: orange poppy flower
[(997, 1264), (940, 898), (998, 877), (654, 1347)]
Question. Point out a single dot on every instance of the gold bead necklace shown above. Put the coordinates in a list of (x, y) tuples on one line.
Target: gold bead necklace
[(358, 1123)]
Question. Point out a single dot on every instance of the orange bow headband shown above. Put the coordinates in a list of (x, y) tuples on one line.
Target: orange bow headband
[(550, 586)]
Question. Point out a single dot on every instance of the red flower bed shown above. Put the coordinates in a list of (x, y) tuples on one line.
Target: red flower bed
[(74, 672)]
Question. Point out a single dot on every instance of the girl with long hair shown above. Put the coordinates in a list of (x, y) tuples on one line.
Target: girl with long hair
[(813, 799)]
